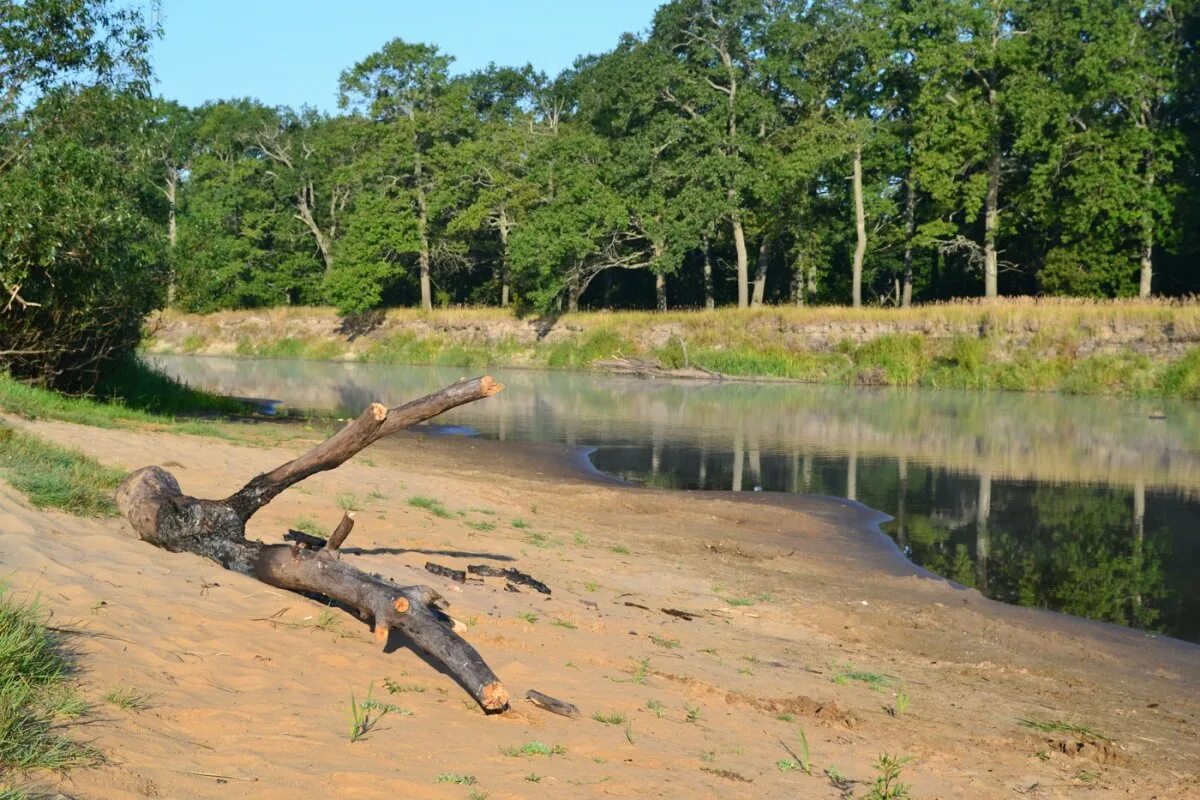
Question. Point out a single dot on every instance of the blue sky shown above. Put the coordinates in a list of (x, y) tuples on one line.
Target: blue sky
[(290, 52)]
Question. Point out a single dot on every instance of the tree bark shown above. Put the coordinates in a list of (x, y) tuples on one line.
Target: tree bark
[(162, 515), (423, 254), (860, 229), (504, 225), (1146, 275), (743, 259), (991, 226), (660, 291), (910, 230), (760, 272), (709, 301)]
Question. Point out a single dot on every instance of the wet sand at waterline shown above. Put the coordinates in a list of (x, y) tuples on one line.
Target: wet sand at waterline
[(248, 698)]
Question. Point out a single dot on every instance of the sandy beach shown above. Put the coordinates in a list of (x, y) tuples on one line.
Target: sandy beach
[(788, 603)]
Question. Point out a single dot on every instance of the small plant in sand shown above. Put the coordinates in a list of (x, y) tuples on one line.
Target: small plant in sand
[(542, 540), (613, 718), (662, 641), (401, 688), (348, 501), (431, 505), (887, 784), (366, 715), (453, 777), (528, 616), (533, 777), (534, 748), (480, 526), (306, 524), (128, 699), (1059, 726), (620, 550), (901, 705), (478, 794), (847, 672), (693, 713), (520, 524), (658, 708), (579, 538), (591, 586)]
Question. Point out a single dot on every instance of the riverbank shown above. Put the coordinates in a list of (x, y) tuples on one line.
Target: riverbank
[(1119, 347), (811, 645)]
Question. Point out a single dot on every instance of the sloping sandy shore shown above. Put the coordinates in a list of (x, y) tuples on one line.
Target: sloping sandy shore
[(253, 685)]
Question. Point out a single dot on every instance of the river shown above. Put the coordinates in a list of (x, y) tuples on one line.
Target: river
[(1090, 506)]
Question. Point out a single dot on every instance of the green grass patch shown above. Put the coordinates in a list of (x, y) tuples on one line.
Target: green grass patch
[(128, 699), (613, 718), (848, 672), (534, 748), (36, 700), (431, 505), (1059, 726), (55, 477)]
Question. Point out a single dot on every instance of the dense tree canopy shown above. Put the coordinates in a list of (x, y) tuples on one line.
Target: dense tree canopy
[(738, 151)]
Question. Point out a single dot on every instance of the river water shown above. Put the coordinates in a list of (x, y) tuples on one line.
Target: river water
[(1089, 506)]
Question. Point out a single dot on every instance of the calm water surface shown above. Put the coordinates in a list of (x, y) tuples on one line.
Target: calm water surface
[(1085, 505)]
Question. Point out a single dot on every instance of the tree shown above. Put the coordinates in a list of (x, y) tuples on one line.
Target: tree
[(406, 86), (78, 253)]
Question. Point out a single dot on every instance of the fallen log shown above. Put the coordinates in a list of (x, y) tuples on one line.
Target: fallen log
[(163, 515)]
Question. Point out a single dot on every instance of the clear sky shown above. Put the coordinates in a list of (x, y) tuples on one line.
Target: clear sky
[(290, 52)]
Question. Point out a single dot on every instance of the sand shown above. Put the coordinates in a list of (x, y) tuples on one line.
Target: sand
[(249, 687)]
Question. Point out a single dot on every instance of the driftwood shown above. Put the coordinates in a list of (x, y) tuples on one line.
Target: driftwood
[(553, 705), (162, 515), (509, 574)]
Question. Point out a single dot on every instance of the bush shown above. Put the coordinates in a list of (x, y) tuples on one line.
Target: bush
[(80, 256)]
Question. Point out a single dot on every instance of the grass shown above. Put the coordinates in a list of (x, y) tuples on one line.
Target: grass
[(565, 623), (366, 715), (670, 644), (900, 708), (453, 777), (534, 748), (887, 785), (519, 524), (848, 672), (528, 616), (431, 505), (56, 477), (36, 700), (620, 550), (1018, 343), (349, 502), (128, 699), (480, 526), (613, 718), (658, 708), (693, 713), (1059, 726)]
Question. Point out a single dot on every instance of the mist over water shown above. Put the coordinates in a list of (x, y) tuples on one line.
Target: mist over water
[(1089, 506)]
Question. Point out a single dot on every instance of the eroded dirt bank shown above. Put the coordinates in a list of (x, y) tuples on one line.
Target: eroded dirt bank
[(792, 605)]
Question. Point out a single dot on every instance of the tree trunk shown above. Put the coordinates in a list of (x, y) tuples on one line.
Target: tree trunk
[(910, 229), (423, 255), (709, 301), (860, 229), (660, 290), (304, 213), (172, 230), (162, 515), (1147, 251), (760, 272), (991, 226), (743, 260), (504, 271)]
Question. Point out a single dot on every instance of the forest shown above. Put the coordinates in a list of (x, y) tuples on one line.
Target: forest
[(748, 152)]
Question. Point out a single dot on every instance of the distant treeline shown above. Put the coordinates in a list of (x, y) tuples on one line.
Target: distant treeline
[(740, 151)]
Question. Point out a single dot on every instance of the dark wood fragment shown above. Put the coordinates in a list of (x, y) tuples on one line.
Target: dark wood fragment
[(514, 575), (553, 705), (446, 572), (304, 539), (675, 612)]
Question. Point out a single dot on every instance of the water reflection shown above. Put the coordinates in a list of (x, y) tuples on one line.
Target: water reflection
[(1085, 505)]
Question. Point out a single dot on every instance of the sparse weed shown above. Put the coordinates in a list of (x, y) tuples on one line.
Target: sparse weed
[(528, 616), (620, 549), (693, 713), (534, 748), (1059, 726), (658, 708), (565, 623), (366, 715), (481, 526), (613, 718), (451, 777), (431, 505), (519, 524), (349, 502), (847, 672), (670, 644), (128, 699), (887, 784)]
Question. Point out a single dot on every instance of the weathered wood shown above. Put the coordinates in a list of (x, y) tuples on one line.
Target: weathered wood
[(510, 574), (341, 531), (161, 514), (446, 572), (372, 425), (551, 704)]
